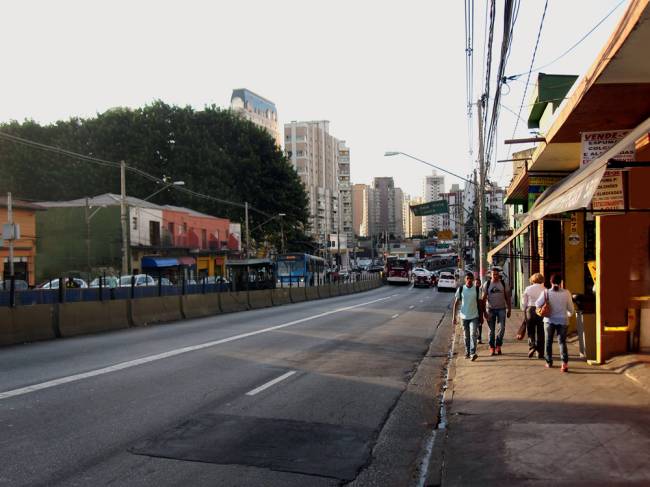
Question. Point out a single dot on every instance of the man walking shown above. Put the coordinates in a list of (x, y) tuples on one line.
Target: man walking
[(499, 307), (468, 298)]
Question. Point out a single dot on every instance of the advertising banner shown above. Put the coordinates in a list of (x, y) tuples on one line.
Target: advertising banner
[(610, 193)]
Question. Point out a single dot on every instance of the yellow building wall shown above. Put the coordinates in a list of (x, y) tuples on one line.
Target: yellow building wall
[(574, 257)]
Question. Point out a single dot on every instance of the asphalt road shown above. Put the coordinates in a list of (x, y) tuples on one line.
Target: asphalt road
[(294, 395)]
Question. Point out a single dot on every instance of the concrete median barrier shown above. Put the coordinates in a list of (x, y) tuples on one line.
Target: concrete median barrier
[(86, 317), (200, 305), (324, 291), (260, 299), (298, 294), (159, 309), (312, 293), (26, 324), (334, 290), (232, 302), (280, 296)]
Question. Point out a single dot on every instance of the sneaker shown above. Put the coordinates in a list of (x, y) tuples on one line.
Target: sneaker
[(548, 365), (466, 356), (480, 340), (540, 355), (492, 352), (565, 367), (474, 357), (498, 350), (531, 352)]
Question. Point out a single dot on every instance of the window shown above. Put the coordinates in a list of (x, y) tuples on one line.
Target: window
[(204, 238), (184, 228), (154, 234), (135, 223), (170, 228)]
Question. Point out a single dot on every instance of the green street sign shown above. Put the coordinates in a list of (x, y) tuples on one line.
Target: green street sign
[(431, 208)]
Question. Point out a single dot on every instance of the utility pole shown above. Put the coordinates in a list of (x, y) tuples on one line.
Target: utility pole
[(338, 236), (87, 236), (481, 192), (248, 235), (10, 218), (125, 222)]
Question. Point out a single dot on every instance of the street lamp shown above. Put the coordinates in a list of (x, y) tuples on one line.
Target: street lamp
[(169, 185)]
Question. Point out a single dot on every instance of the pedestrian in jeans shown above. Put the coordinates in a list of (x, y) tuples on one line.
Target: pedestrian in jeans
[(561, 304), (497, 298), (468, 298), (481, 311), (534, 323)]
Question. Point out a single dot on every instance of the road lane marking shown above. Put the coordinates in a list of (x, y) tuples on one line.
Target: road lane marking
[(395, 316), (270, 383), (171, 353), (411, 307)]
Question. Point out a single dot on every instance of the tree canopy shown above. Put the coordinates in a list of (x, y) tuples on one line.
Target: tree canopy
[(213, 151)]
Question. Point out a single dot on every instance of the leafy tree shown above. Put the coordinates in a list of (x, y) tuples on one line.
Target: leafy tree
[(214, 151)]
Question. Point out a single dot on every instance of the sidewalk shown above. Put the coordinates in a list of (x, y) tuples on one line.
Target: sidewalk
[(512, 421)]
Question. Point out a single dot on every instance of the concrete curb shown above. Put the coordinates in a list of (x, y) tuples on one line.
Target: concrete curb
[(419, 404), (635, 367)]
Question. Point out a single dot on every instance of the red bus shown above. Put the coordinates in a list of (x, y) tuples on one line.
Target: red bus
[(398, 271)]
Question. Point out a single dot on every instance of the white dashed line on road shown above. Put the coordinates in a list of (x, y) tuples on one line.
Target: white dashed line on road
[(270, 383), (411, 307), (172, 353), (395, 316)]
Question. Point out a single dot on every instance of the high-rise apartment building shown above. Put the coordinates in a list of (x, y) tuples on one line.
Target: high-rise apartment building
[(412, 223), (385, 208), (345, 193), (434, 186), (257, 109), (314, 154), (360, 209), (455, 201)]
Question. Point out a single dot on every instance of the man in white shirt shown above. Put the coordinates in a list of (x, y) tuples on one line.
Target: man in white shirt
[(561, 304), (534, 324)]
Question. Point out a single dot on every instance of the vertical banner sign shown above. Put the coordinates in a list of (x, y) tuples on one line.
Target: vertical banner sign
[(609, 195)]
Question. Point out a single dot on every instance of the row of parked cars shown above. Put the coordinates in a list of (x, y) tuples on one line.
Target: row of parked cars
[(106, 282)]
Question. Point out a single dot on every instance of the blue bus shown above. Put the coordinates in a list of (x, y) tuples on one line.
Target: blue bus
[(297, 269)]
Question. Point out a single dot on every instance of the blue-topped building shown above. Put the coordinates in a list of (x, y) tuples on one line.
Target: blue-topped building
[(257, 109)]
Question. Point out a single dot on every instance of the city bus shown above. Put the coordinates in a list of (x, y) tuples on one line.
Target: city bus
[(398, 271), (298, 269)]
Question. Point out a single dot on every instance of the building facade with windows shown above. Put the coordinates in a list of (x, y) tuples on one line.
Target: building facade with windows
[(314, 154), (257, 109), (345, 194), (433, 187), (385, 208), (360, 209)]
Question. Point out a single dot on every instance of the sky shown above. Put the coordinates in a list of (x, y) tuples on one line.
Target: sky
[(389, 76)]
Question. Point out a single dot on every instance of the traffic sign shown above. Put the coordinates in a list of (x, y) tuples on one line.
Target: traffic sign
[(431, 208)]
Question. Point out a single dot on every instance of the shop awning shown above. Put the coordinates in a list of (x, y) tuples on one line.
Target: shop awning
[(158, 262), (575, 191), (187, 261)]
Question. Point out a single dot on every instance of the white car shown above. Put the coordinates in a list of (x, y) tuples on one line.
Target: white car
[(54, 283), (446, 282), (140, 280)]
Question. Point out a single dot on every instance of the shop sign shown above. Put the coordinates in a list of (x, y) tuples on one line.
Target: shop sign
[(445, 235), (610, 193), (574, 236)]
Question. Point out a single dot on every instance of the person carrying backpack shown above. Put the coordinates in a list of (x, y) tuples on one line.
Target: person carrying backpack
[(468, 298), (499, 307)]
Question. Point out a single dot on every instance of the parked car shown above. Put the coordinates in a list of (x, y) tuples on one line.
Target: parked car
[(76, 282), (446, 282), (165, 282), (422, 280), (106, 282), (140, 280), (19, 285)]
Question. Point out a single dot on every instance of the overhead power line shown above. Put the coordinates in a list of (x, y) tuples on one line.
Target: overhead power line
[(576, 44), (114, 164), (532, 62)]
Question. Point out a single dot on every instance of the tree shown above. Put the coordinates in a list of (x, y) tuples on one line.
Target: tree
[(494, 220), (214, 151)]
